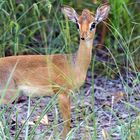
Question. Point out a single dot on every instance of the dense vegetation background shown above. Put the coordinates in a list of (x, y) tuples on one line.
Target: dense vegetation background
[(38, 27)]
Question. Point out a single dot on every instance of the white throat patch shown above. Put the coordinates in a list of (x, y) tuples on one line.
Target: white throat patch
[(89, 43)]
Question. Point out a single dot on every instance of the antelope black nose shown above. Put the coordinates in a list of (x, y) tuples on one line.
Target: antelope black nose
[(82, 38)]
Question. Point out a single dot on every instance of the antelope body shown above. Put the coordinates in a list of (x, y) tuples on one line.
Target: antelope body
[(46, 75)]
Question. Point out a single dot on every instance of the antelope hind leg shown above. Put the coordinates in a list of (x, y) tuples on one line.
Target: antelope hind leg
[(64, 105)]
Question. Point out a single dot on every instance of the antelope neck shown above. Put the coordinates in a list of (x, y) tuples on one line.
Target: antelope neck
[(83, 57)]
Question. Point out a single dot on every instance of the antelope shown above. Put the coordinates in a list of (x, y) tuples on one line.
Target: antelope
[(46, 75)]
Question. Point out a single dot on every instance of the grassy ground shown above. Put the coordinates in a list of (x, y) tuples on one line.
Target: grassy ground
[(38, 27)]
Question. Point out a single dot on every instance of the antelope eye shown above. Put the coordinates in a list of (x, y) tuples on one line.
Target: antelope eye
[(92, 26)]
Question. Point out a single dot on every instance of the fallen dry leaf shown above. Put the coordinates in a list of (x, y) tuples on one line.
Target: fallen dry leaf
[(29, 122), (44, 120), (118, 96)]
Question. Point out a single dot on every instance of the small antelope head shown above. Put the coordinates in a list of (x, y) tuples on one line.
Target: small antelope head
[(87, 21)]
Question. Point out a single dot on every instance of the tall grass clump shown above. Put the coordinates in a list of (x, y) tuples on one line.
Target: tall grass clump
[(123, 45)]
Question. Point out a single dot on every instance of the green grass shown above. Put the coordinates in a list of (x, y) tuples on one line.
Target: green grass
[(38, 27)]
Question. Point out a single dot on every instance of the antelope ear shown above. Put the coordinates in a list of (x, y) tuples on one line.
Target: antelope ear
[(70, 13), (102, 13)]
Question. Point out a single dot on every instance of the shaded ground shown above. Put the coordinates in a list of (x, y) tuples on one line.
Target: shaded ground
[(107, 102)]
